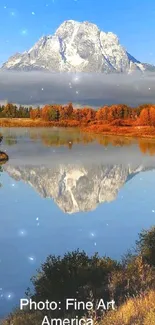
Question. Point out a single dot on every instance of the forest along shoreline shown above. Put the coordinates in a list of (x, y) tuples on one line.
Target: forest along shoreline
[(120, 120)]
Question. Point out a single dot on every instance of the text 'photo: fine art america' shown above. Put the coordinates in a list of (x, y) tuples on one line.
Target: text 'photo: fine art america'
[(77, 162)]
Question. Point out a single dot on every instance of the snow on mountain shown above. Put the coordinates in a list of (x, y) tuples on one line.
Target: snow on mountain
[(76, 47)]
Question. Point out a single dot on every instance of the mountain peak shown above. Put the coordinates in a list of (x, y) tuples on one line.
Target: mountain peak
[(76, 47)]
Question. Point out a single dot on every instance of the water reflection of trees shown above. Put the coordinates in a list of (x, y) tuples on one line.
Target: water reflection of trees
[(11, 141), (72, 137), (147, 147)]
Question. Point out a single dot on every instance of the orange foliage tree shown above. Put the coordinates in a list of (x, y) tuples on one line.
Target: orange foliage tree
[(87, 114), (35, 113), (147, 115), (50, 113), (66, 112), (116, 115), (144, 118), (120, 111), (102, 113), (152, 115), (77, 114)]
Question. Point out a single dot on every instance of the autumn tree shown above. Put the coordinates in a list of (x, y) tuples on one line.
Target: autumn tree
[(152, 115), (102, 113), (77, 114), (144, 118), (120, 111), (35, 113), (44, 112), (87, 114), (50, 113), (70, 109), (66, 112), (112, 113)]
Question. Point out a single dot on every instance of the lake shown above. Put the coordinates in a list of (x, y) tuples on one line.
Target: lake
[(62, 190)]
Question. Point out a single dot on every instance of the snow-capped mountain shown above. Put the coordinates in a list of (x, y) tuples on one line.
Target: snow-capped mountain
[(76, 188), (77, 47)]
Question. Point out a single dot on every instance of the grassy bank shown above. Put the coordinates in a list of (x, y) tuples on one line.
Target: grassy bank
[(91, 127), (126, 131), (28, 122), (136, 311)]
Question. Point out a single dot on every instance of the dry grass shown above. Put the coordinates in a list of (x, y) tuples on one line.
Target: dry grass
[(136, 311), (24, 318), (127, 131), (93, 127), (27, 122)]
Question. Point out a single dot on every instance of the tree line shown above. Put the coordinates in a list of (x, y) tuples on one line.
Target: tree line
[(13, 111), (119, 115)]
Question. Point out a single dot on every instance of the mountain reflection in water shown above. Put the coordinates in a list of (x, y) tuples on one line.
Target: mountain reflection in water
[(92, 172), (76, 188), (79, 174)]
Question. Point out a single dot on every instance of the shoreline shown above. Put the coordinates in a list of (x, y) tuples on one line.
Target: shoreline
[(92, 128), (120, 134)]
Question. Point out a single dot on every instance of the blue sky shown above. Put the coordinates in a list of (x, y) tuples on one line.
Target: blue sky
[(24, 22)]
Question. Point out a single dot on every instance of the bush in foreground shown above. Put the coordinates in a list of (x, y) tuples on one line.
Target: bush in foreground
[(130, 283), (146, 245), (76, 275)]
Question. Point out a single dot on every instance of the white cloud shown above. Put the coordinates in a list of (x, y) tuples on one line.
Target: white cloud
[(93, 89)]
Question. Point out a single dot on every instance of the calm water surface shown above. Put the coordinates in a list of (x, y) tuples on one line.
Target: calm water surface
[(62, 190)]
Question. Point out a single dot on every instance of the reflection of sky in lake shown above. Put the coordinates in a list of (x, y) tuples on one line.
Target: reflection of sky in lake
[(32, 227)]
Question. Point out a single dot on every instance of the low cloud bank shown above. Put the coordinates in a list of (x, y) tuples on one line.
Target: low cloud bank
[(39, 88)]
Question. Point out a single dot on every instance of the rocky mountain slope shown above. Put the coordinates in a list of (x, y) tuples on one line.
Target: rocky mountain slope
[(76, 188), (77, 47)]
